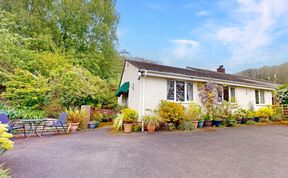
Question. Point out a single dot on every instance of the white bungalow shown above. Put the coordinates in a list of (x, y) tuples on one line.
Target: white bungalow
[(144, 85)]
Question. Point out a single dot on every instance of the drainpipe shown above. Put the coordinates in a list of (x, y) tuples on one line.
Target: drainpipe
[(142, 95)]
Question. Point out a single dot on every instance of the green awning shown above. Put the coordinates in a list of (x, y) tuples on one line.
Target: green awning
[(124, 88)]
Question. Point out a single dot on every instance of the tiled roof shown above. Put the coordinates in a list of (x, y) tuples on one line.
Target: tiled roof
[(201, 73)]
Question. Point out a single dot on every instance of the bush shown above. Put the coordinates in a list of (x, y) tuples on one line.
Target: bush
[(4, 173), (193, 112), (137, 128), (265, 112), (186, 126), (76, 115), (250, 122), (5, 142), (171, 112), (22, 113), (129, 115), (118, 123)]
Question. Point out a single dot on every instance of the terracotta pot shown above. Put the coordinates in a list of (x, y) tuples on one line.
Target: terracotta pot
[(207, 123), (195, 123), (74, 127), (127, 127), (151, 128)]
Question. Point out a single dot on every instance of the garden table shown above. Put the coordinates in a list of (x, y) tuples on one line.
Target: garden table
[(33, 125)]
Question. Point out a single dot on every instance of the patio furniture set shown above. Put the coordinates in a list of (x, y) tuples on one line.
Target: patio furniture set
[(37, 126)]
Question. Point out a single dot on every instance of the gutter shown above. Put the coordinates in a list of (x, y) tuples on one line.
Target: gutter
[(205, 79)]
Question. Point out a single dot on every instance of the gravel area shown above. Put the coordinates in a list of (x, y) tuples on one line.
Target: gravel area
[(228, 152)]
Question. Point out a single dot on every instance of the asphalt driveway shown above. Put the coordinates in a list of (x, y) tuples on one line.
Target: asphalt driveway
[(229, 152)]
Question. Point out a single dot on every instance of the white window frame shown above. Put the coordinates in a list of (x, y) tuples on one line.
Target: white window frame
[(185, 91), (229, 93), (259, 97)]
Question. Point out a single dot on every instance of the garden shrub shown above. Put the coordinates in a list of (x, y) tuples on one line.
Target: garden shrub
[(171, 126), (5, 142), (129, 115), (14, 113), (250, 122), (265, 112), (171, 112), (193, 112), (186, 126)]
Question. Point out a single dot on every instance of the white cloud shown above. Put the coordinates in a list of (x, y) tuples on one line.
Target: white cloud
[(184, 48), (203, 13), (255, 25)]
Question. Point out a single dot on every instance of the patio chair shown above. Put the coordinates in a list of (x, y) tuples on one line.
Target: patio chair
[(58, 124), (11, 125)]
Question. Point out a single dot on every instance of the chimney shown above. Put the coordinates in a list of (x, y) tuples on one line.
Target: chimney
[(221, 69)]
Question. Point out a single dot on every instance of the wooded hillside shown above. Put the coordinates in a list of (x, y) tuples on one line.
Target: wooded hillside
[(276, 73)]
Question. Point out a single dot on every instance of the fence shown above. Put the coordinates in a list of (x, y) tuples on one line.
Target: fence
[(285, 110)]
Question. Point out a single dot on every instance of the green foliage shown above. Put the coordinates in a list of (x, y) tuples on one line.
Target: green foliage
[(5, 142), (14, 113), (76, 115), (136, 127), (171, 112), (96, 116), (171, 126), (186, 126), (250, 122), (240, 113), (152, 120), (193, 112), (129, 115), (118, 122), (57, 54), (4, 173), (23, 89), (282, 94), (265, 112)]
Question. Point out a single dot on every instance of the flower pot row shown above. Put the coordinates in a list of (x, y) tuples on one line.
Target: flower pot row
[(151, 127)]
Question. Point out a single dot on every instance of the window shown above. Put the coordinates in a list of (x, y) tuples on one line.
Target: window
[(170, 90), (228, 94), (232, 95), (189, 88), (179, 91), (259, 96)]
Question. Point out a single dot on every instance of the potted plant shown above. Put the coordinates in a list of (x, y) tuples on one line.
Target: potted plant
[(250, 115), (75, 117), (264, 113), (231, 121), (95, 120), (207, 121), (200, 123), (218, 115), (152, 122), (193, 113), (129, 115), (240, 116)]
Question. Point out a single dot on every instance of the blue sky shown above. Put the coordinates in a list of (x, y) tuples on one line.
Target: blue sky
[(205, 33)]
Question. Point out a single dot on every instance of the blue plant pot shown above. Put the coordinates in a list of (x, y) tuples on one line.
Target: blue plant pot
[(93, 125), (256, 119), (200, 124), (217, 123)]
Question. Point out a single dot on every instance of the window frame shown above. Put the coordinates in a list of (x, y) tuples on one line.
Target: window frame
[(185, 91), (259, 95), (229, 95)]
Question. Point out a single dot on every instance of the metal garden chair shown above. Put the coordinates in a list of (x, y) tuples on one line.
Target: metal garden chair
[(58, 124), (12, 125)]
